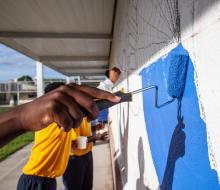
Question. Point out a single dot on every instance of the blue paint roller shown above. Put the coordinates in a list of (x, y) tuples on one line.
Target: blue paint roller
[(175, 83), (177, 75)]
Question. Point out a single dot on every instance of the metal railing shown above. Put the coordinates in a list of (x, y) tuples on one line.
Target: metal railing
[(15, 93), (21, 87)]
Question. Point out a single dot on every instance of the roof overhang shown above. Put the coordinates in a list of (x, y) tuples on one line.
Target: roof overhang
[(72, 37)]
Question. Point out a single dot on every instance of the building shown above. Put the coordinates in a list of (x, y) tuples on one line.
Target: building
[(172, 147), (15, 93)]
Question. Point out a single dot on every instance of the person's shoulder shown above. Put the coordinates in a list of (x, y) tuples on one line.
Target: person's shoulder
[(101, 85), (49, 129), (86, 122), (106, 85)]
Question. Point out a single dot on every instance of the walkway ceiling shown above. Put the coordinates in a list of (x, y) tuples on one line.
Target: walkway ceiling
[(70, 36)]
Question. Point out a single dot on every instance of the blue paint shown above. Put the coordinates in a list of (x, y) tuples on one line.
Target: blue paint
[(178, 145), (103, 116)]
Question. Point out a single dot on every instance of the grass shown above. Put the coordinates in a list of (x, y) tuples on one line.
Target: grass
[(4, 109), (15, 144)]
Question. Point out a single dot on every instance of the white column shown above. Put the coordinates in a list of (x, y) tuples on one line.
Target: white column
[(18, 94), (67, 80), (77, 79), (40, 84)]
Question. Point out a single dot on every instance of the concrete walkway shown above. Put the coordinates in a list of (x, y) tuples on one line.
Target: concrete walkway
[(10, 169)]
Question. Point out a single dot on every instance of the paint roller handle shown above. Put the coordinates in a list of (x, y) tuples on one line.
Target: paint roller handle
[(105, 104)]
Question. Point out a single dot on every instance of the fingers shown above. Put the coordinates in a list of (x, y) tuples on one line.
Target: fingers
[(62, 117), (96, 93), (99, 126), (74, 146), (104, 136), (82, 99), (83, 95), (102, 126), (105, 133), (73, 110), (67, 105)]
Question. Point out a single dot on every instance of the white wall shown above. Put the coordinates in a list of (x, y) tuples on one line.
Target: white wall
[(145, 31)]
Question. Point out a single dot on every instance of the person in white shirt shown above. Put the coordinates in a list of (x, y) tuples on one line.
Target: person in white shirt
[(112, 77), (79, 171)]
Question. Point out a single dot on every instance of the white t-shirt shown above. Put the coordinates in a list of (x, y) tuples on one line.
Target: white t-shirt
[(106, 85)]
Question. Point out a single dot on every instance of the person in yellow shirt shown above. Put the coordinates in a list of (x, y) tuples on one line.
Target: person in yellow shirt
[(49, 155), (51, 150), (79, 171)]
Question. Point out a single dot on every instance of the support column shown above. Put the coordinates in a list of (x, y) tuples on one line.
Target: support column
[(77, 79), (18, 94), (67, 80), (40, 84)]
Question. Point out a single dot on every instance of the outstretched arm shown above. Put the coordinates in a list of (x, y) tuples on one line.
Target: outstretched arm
[(61, 106), (97, 127), (99, 136)]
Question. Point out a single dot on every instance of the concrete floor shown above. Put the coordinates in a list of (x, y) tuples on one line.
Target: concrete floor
[(10, 169)]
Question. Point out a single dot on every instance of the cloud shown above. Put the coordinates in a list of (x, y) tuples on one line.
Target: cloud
[(14, 64)]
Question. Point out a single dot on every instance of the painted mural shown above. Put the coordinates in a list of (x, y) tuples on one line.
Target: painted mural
[(176, 133), (178, 145)]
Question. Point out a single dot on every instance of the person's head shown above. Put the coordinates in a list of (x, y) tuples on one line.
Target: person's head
[(114, 74), (53, 86), (107, 73)]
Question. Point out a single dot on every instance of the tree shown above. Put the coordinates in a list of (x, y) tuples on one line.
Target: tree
[(25, 78)]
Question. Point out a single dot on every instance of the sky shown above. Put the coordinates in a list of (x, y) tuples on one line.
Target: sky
[(14, 64)]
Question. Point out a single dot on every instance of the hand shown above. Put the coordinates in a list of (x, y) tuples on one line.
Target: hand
[(61, 105), (110, 122), (98, 127), (102, 136), (74, 146)]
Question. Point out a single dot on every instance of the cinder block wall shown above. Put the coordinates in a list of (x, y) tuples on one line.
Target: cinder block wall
[(159, 148)]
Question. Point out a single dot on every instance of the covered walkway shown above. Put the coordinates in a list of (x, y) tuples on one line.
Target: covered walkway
[(73, 37), (11, 169)]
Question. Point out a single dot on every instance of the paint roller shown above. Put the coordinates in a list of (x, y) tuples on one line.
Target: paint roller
[(175, 84)]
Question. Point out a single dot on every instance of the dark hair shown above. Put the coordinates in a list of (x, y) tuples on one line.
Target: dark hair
[(117, 70), (53, 86), (107, 73)]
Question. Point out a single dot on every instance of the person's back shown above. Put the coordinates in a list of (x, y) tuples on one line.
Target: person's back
[(50, 152), (49, 156), (79, 172)]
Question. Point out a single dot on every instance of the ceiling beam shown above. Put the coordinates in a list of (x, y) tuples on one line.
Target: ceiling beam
[(78, 73), (54, 35), (11, 43), (73, 58), (88, 72), (81, 67), (95, 70)]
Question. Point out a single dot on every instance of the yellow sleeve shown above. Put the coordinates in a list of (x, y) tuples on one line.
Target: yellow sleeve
[(73, 135)]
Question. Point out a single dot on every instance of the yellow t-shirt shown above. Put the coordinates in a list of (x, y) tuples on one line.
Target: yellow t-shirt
[(50, 153), (83, 130)]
